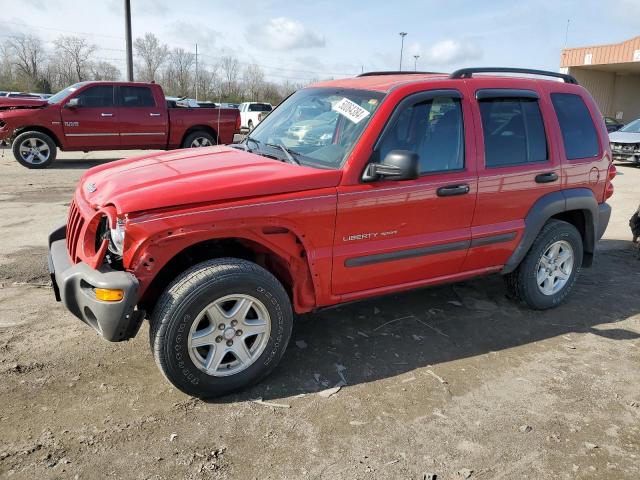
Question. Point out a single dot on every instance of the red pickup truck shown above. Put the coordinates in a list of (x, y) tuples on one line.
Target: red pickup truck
[(349, 189), (108, 116)]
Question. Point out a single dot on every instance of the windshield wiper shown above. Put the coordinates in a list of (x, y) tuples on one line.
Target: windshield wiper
[(288, 153)]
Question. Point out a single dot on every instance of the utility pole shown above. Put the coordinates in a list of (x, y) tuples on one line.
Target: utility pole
[(415, 62), (566, 34), (127, 27), (196, 72), (402, 35)]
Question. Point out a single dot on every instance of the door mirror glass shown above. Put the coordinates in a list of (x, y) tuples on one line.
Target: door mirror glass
[(397, 165), (73, 103)]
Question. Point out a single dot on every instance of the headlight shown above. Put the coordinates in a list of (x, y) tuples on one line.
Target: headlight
[(116, 238)]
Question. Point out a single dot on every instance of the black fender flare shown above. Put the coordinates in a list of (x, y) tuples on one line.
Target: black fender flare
[(581, 199)]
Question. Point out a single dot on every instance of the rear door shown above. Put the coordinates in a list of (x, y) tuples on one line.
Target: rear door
[(143, 120), (393, 233), (92, 123), (519, 163)]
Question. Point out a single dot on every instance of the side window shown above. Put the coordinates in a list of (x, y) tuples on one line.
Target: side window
[(513, 131), (433, 129), (578, 131), (136, 97), (96, 97)]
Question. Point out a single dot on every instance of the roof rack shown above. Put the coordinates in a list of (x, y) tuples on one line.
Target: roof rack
[(397, 72), (469, 72)]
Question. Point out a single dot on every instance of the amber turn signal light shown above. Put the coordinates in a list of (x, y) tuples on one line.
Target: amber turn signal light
[(109, 295)]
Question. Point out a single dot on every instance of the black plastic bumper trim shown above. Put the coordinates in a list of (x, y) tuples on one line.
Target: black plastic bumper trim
[(74, 284)]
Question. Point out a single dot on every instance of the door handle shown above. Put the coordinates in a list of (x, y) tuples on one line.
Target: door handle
[(451, 190), (154, 114), (106, 114), (547, 177)]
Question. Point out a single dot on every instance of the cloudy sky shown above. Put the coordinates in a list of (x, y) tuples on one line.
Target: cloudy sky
[(302, 40)]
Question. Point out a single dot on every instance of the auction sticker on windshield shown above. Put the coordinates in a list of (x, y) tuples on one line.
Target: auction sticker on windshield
[(351, 110)]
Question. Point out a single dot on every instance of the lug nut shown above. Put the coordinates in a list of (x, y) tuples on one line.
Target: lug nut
[(218, 339), (221, 326), (238, 332), (229, 343)]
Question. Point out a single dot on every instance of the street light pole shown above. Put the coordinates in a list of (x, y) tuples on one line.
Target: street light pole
[(415, 62), (127, 28), (402, 35)]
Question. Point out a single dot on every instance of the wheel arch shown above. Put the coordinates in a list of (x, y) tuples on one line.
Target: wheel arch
[(577, 206), (38, 128), (199, 128), (285, 257)]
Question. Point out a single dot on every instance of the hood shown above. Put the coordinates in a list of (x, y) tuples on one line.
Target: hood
[(192, 176), (10, 103), (624, 137)]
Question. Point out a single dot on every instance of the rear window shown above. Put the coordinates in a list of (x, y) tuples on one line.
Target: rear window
[(260, 107), (578, 131), (136, 97), (513, 132)]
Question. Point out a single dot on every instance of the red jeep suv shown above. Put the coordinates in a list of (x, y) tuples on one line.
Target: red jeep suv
[(349, 189)]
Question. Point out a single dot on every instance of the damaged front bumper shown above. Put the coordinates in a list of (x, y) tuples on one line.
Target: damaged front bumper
[(75, 285)]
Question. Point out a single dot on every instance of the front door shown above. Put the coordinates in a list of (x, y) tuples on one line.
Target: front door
[(143, 123), (92, 123), (391, 233)]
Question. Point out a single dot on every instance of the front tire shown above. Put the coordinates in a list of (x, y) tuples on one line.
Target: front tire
[(221, 326), (250, 125), (550, 269), (34, 149)]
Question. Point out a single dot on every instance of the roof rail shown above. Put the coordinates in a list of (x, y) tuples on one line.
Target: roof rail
[(469, 72), (398, 72)]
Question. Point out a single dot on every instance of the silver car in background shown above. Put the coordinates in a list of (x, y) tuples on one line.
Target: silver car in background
[(625, 143)]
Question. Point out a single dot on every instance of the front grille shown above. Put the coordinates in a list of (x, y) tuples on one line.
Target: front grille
[(75, 223)]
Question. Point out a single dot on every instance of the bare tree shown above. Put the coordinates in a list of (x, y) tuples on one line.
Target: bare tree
[(208, 83), (28, 56), (253, 82), (152, 55), (178, 75), (75, 55), (230, 77), (105, 71), (6, 64)]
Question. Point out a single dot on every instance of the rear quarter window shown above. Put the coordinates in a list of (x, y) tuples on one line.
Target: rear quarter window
[(579, 134)]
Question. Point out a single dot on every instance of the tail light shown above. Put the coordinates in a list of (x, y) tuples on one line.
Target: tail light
[(238, 121), (611, 174)]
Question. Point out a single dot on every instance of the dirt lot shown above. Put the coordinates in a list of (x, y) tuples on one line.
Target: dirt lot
[(455, 380)]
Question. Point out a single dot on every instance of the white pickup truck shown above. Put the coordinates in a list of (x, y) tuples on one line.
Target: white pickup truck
[(251, 113)]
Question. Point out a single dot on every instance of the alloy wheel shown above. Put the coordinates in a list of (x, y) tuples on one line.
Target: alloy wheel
[(34, 151), (554, 267), (229, 335), (201, 142)]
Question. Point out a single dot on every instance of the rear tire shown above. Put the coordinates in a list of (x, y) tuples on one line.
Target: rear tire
[(250, 125), (34, 149), (543, 279), (199, 139), (195, 341)]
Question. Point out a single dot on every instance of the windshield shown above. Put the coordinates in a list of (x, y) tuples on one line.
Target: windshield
[(319, 126), (62, 94), (633, 127)]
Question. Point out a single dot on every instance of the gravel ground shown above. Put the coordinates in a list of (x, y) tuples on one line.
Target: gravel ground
[(455, 380)]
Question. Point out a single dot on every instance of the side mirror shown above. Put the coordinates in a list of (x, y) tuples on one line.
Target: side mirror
[(73, 103), (397, 165)]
